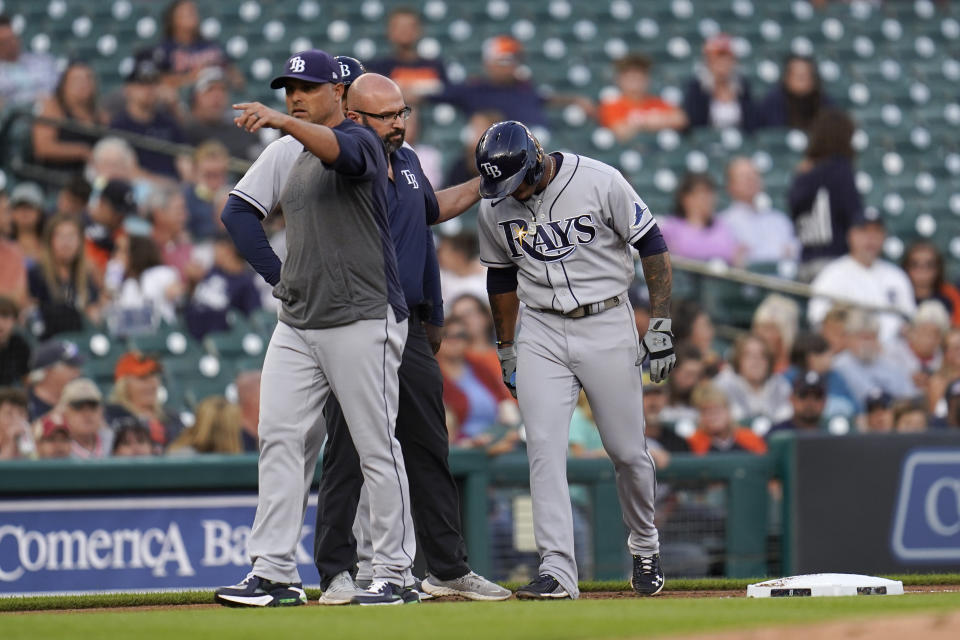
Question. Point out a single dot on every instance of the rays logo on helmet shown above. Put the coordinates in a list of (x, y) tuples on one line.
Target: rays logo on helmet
[(297, 64), (344, 70), (548, 241), (492, 170)]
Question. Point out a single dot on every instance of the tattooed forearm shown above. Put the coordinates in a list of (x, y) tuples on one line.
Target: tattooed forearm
[(505, 307), (659, 277)]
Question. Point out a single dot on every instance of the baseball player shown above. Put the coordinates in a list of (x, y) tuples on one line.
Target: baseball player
[(377, 102), (342, 329), (556, 233)]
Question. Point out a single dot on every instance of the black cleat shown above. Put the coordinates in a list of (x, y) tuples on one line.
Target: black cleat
[(545, 587), (254, 591), (647, 577), (386, 593)]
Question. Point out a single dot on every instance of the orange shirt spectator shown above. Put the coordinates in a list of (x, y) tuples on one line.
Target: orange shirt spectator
[(635, 110), (716, 430)]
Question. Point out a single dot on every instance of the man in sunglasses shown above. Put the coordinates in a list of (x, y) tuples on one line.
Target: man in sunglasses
[(81, 406), (809, 398)]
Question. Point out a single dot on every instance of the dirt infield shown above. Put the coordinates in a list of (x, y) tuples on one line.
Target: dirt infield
[(916, 627)]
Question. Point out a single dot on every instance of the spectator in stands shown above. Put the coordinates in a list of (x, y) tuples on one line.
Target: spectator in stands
[(635, 110), (24, 77), (52, 438), (53, 365), (61, 285), (184, 52), (752, 388), (776, 322), (505, 87), (476, 317), (824, 201), (61, 149), (431, 158), (230, 286), (692, 325), (811, 352), (13, 269), (696, 232), (417, 76), (879, 416), (718, 95), (465, 166), (948, 372), (478, 404), (688, 372), (799, 97), (863, 277), (716, 430), (114, 159), (655, 397), (26, 208), (14, 428), (211, 117), (143, 115), (132, 439), (953, 405), (136, 392), (210, 174), (151, 291), (809, 400), (81, 406), (14, 348), (167, 212), (248, 399), (863, 365), (834, 327), (217, 430), (918, 352), (74, 198), (765, 234), (910, 416), (923, 264), (107, 214), (460, 268)]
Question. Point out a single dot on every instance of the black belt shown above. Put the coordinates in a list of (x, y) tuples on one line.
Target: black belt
[(589, 309)]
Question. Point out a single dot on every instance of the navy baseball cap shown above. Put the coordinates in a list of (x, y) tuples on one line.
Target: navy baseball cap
[(350, 69), (312, 65), (51, 352)]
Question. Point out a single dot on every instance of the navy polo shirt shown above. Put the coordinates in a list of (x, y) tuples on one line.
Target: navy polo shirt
[(412, 208)]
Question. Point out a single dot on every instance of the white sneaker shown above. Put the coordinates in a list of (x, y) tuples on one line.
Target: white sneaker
[(469, 586), (341, 590)]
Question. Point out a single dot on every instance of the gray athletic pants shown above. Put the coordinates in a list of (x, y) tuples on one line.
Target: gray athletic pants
[(555, 357), (358, 362)]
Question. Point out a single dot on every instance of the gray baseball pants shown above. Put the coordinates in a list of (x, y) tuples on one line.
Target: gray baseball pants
[(358, 362), (555, 357)]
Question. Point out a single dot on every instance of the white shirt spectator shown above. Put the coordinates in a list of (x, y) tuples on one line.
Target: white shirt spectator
[(772, 400), (767, 235), (26, 80), (882, 284)]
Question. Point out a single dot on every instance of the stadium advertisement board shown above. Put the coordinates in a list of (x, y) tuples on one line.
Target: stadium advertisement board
[(877, 504), (131, 543)]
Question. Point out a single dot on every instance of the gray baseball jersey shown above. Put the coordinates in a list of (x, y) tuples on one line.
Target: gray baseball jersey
[(571, 244), (577, 251)]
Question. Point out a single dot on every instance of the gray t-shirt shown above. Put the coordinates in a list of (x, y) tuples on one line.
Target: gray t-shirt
[(340, 265)]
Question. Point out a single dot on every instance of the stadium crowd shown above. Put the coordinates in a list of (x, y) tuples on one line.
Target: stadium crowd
[(127, 237)]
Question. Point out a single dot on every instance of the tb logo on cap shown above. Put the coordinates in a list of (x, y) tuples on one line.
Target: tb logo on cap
[(492, 170), (297, 64), (344, 71)]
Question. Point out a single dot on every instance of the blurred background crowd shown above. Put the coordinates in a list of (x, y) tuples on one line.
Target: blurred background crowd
[(801, 159)]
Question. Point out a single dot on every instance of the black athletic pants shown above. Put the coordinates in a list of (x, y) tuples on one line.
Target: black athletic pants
[(422, 433)]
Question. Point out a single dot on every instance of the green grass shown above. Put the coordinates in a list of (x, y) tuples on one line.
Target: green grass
[(595, 619), (98, 601)]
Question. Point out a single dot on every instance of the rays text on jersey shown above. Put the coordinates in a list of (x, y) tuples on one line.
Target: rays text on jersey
[(551, 241)]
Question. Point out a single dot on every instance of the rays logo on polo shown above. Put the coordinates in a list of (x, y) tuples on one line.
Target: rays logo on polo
[(411, 178), (548, 241)]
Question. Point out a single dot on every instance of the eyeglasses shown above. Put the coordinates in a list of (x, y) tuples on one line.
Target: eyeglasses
[(80, 405), (403, 114)]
